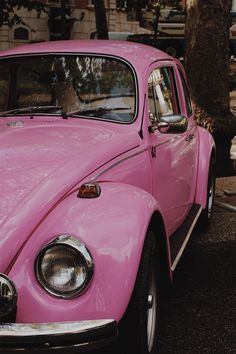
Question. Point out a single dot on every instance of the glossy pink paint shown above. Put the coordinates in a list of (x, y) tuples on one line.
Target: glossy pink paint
[(41, 161), (46, 159), (114, 240)]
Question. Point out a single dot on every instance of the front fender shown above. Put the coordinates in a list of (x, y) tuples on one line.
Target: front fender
[(113, 226), (206, 148)]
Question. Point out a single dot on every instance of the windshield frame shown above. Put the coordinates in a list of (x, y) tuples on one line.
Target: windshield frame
[(11, 90)]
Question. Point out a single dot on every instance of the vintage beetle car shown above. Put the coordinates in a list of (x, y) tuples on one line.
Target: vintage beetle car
[(103, 176)]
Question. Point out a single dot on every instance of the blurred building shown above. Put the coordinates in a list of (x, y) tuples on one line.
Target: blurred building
[(70, 19)]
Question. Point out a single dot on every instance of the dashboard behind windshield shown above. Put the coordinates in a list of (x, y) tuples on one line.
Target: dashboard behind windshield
[(93, 86)]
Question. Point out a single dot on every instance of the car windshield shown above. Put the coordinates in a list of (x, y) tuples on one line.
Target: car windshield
[(78, 85)]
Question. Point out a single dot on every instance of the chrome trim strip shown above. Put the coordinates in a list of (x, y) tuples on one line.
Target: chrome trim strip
[(177, 258), (50, 329), (117, 163), (66, 337), (166, 141)]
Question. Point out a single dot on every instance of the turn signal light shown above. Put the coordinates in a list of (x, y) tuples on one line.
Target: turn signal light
[(89, 190)]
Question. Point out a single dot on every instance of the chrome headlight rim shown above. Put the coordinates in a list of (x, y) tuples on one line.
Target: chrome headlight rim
[(8, 295), (72, 242)]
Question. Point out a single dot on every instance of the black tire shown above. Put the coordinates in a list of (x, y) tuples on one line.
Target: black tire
[(138, 330), (206, 215)]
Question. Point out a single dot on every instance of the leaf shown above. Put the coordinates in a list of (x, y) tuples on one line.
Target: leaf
[(8, 11)]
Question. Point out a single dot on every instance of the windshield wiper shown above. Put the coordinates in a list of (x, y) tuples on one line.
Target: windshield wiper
[(94, 110), (33, 109)]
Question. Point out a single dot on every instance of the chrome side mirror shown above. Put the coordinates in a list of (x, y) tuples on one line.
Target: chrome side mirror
[(163, 127), (173, 124)]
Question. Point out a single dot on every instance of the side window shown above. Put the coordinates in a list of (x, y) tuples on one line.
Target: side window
[(186, 94), (163, 99), (152, 102)]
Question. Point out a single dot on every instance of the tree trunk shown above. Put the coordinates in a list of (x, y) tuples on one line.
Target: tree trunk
[(207, 65), (101, 21)]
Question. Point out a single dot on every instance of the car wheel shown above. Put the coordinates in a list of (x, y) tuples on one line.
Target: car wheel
[(139, 326), (206, 215)]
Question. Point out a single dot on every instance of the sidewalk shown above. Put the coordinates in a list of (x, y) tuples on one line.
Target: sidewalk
[(225, 194)]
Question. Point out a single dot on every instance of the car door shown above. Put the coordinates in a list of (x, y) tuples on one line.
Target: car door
[(172, 154)]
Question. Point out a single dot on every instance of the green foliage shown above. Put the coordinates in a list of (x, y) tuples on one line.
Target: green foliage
[(8, 15)]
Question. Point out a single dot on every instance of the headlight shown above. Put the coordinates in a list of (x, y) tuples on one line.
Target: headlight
[(64, 267)]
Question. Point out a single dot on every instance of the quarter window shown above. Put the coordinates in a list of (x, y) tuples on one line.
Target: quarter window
[(162, 94)]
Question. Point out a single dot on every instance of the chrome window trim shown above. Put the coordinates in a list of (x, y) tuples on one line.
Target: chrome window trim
[(97, 55)]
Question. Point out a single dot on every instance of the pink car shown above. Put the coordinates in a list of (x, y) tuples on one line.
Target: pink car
[(103, 176)]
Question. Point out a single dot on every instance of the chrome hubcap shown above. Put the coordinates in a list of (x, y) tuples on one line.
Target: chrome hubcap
[(150, 301), (151, 308), (210, 197)]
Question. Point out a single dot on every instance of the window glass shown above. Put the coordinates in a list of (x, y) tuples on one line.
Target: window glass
[(99, 87), (186, 94), (151, 100), (21, 33), (151, 103), (4, 88), (162, 82), (32, 90)]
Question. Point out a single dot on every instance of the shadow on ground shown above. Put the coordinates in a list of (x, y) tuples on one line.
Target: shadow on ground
[(198, 315)]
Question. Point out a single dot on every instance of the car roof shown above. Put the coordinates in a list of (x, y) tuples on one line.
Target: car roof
[(135, 53)]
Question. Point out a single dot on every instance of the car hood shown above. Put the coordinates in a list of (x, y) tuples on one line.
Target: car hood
[(40, 161)]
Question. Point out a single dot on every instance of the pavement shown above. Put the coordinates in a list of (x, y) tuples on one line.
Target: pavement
[(199, 314), (225, 194)]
